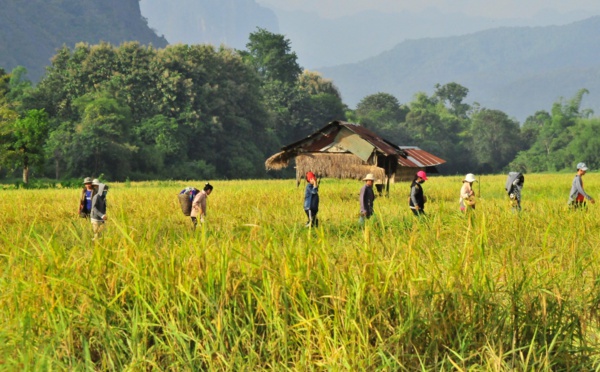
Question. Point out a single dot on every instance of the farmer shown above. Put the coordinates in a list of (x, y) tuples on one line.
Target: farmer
[(467, 195), (417, 199), (98, 207), (85, 201), (514, 185), (577, 196), (199, 204), (366, 198), (311, 200)]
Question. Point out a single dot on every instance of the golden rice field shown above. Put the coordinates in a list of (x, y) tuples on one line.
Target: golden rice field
[(255, 290)]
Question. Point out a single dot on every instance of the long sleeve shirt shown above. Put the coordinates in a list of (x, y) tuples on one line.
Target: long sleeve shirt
[(99, 203), (416, 196), (199, 205), (367, 199), (311, 198), (577, 192)]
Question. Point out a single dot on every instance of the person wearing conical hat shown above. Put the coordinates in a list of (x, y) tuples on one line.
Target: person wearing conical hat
[(417, 199), (467, 195), (367, 198)]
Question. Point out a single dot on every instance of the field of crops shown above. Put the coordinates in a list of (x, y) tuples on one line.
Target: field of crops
[(252, 289)]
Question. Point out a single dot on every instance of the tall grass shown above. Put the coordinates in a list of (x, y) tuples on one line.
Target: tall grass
[(252, 289)]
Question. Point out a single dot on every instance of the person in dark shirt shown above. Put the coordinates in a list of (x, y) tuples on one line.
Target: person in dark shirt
[(311, 200), (367, 198), (417, 198)]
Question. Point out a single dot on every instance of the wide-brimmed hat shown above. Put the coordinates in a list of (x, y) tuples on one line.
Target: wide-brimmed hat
[(369, 177), (96, 182), (422, 174), (470, 177), (87, 180), (582, 166)]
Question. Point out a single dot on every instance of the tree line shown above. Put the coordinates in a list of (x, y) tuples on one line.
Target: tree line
[(198, 111)]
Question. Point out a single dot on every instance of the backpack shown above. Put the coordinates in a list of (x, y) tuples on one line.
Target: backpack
[(514, 180), (186, 196)]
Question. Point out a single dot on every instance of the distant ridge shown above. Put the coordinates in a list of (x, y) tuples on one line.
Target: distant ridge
[(518, 70), (216, 22), (32, 30)]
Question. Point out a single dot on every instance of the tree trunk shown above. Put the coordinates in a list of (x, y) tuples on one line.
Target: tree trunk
[(26, 169), (56, 169), (25, 174)]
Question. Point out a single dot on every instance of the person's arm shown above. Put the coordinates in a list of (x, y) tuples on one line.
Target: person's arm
[(202, 204), (307, 197), (579, 188), (363, 205), (413, 196), (466, 191), (95, 209), (82, 201)]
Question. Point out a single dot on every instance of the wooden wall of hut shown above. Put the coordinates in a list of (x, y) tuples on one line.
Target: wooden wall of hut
[(404, 174)]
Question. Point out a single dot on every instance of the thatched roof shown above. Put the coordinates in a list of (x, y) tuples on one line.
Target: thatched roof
[(335, 165), (336, 137), (279, 160), (346, 150)]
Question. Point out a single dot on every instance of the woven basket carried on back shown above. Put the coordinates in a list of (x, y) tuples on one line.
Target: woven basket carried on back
[(185, 200)]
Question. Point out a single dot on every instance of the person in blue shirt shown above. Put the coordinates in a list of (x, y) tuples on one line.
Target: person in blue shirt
[(85, 202), (311, 200)]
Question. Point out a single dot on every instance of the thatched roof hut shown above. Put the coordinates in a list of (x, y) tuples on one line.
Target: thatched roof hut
[(346, 150)]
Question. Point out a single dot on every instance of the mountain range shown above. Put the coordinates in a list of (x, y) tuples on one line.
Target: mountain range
[(218, 22), (518, 70), (31, 31)]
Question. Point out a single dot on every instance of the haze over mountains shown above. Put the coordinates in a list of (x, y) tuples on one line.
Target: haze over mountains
[(506, 63), (512, 64), (218, 22), (517, 70)]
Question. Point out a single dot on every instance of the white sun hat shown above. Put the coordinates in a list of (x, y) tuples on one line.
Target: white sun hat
[(470, 177), (369, 177)]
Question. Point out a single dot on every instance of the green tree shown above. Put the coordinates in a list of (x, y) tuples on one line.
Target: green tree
[(432, 126), (272, 57), (19, 86), (585, 145), (531, 128), (554, 133), (495, 139), (380, 110), (325, 102), (23, 142), (452, 95), (101, 140)]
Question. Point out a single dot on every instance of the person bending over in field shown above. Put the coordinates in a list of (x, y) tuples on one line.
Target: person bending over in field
[(417, 199), (577, 195), (367, 198), (98, 210), (311, 200), (467, 195), (514, 185), (199, 204)]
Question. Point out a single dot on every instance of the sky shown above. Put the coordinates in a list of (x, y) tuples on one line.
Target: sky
[(483, 8)]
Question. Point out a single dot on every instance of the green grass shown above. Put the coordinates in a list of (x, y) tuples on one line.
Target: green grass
[(252, 289)]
